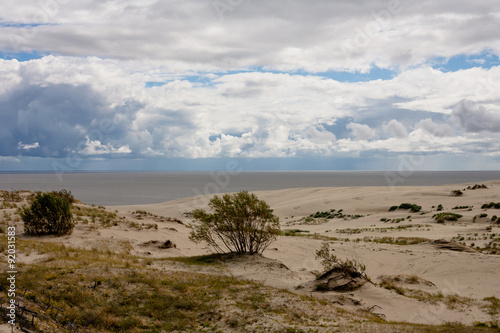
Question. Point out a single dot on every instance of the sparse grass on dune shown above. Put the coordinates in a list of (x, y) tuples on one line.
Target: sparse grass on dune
[(451, 301), (367, 239), (396, 240), (210, 259), (102, 291), (351, 231)]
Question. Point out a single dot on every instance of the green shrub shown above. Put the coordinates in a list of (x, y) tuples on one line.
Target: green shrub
[(462, 207), (65, 194), (48, 214), (240, 223), (442, 217), (495, 205), (412, 207), (292, 232)]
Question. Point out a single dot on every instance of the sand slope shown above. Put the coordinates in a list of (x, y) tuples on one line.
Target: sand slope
[(463, 274), (460, 279)]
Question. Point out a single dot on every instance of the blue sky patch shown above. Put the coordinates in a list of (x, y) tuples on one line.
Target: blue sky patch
[(462, 62), (151, 84), (375, 73), (22, 25), (22, 56)]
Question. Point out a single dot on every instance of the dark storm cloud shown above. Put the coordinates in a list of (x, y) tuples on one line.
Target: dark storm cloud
[(56, 117), (476, 118)]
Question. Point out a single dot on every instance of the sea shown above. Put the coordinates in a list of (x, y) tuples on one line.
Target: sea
[(130, 188)]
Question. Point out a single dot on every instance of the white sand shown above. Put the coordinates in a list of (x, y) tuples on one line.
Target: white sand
[(464, 274), (474, 275)]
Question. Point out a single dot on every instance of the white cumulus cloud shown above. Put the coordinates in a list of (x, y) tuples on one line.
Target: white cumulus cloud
[(361, 131), (395, 129)]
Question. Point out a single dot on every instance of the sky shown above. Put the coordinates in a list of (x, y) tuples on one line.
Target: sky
[(264, 85)]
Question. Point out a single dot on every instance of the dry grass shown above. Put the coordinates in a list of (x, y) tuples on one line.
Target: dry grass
[(102, 291)]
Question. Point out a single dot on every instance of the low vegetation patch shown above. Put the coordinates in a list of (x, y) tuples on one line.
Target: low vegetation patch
[(384, 219), (210, 259), (352, 231), (477, 187), (86, 214), (396, 240), (451, 301), (293, 232), (443, 217), (332, 214), (404, 206), (456, 193), (11, 196), (492, 305), (463, 207), (141, 214), (495, 205)]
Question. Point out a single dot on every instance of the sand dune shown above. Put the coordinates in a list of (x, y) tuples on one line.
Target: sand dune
[(427, 282), (453, 273)]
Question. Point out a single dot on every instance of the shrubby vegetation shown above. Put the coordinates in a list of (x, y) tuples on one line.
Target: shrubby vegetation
[(412, 207), (463, 207), (239, 223), (477, 186), (12, 196), (48, 214), (65, 194), (351, 268), (334, 214), (442, 217), (495, 205), (456, 193)]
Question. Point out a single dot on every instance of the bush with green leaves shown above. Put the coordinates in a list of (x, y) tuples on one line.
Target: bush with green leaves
[(491, 205), (48, 214), (65, 194), (442, 217), (239, 223), (412, 207)]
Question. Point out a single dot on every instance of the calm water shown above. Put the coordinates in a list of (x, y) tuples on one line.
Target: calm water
[(125, 188)]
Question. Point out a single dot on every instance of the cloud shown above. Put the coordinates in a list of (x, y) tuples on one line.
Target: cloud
[(361, 131), (284, 35), (395, 129), (475, 118), (95, 147), (20, 145), (101, 107), (431, 127)]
